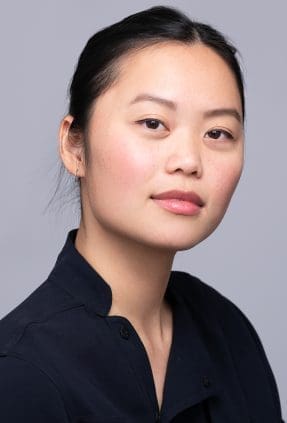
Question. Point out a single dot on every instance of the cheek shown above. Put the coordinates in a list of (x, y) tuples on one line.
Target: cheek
[(122, 165), (223, 181)]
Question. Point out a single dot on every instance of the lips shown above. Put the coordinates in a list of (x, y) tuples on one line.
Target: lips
[(179, 202), (189, 196)]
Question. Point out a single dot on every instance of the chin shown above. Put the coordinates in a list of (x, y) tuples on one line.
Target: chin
[(183, 238), (175, 242)]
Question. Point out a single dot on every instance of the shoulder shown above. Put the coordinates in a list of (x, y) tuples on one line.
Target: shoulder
[(26, 385), (26, 391), (214, 309), (199, 295), (204, 299), (47, 301)]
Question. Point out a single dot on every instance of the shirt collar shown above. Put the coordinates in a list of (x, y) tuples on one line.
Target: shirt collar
[(74, 273), (190, 365)]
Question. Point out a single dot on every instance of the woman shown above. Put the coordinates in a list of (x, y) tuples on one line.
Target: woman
[(154, 136)]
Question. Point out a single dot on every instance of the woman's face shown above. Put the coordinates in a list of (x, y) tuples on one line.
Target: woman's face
[(172, 121)]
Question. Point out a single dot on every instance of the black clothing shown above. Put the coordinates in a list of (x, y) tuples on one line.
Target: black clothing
[(64, 360)]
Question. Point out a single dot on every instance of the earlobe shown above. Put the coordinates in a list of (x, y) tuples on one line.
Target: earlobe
[(69, 151)]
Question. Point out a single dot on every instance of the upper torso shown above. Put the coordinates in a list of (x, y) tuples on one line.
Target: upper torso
[(63, 359)]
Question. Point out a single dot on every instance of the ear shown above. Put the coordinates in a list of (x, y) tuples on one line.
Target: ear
[(71, 148)]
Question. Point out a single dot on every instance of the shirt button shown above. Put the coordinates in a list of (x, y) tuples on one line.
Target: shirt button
[(206, 382), (124, 332)]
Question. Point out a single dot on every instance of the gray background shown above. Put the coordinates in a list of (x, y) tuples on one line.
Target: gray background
[(245, 258)]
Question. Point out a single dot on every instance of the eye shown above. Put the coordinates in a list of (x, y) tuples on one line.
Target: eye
[(219, 134), (150, 123)]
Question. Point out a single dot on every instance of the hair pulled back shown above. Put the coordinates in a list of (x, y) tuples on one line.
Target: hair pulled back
[(97, 66)]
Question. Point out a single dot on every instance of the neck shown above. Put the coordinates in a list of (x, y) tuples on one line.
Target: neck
[(137, 274)]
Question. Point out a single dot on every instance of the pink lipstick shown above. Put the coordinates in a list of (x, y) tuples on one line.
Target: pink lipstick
[(179, 202)]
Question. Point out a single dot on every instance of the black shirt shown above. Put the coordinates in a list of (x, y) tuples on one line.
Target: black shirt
[(64, 360)]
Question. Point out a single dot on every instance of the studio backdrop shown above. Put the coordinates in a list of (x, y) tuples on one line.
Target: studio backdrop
[(245, 258)]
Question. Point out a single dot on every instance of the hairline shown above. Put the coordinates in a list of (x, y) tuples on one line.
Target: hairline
[(116, 66)]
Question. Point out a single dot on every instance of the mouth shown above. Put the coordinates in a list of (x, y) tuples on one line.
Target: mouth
[(179, 202)]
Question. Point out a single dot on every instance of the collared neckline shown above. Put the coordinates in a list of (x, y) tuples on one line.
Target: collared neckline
[(190, 376), (83, 282)]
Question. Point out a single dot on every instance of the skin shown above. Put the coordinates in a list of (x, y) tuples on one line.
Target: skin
[(123, 233)]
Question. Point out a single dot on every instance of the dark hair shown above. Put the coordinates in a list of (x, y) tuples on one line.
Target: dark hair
[(97, 66)]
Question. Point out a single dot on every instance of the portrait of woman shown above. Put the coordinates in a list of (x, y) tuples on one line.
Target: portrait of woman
[(154, 141)]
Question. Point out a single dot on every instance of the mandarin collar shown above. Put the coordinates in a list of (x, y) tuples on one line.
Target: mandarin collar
[(190, 365), (75, 274)]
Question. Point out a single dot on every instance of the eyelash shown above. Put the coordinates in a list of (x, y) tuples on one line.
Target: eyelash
[(227, 134), (149, 120), (145, 121)]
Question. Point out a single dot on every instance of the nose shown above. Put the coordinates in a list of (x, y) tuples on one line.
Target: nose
[(185, 157)]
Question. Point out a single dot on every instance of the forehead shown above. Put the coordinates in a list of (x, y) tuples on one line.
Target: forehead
[(192, 75), (177, 69)]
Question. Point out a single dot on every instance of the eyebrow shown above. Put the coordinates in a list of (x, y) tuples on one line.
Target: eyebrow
[(172, 105), (148, 97), (224, 111)]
